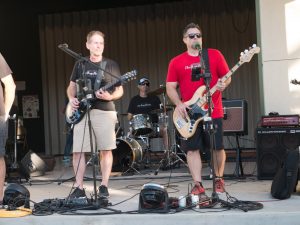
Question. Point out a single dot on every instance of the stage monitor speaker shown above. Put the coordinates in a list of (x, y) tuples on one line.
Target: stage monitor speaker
[(235, 120), (271, 147), (33, 165)]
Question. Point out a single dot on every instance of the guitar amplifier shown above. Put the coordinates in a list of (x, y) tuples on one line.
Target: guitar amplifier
[(280, 121), (235, 121)]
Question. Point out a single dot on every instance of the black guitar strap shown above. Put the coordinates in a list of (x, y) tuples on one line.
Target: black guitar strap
[(100, 75), (205, 59)]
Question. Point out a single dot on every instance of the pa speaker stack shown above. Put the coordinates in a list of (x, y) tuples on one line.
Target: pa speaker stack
[(272, 144)]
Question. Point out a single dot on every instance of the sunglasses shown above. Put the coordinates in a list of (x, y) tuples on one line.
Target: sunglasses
[(143, 84), (192, 36)]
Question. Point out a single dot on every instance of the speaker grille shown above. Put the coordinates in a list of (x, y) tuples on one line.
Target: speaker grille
[(33, 165), (235, 117), (272, 145)]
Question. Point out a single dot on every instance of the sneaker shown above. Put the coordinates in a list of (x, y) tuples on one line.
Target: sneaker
[(220, 185), (78, 193), (103, 191), (198, 189)]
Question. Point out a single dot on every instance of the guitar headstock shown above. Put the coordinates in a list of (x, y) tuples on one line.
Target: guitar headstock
[(295, 81), (129, 76), (247, 55)]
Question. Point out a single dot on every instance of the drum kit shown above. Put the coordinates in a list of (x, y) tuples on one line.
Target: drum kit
[(144, 138)]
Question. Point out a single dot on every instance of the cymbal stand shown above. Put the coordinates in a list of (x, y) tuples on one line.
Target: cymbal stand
[(170, 152), (15, 163)]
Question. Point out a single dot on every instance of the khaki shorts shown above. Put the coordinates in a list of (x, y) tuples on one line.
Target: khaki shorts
[(103, 131)]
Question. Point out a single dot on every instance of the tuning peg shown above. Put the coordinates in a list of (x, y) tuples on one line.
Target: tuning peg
[(242, 53), (246, 51), (254, 46)]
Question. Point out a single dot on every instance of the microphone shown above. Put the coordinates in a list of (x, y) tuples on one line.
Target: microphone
[(63, 45), (197, 46)]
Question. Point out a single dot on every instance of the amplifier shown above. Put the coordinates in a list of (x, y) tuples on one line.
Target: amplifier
[(235, 117), (280, 121)]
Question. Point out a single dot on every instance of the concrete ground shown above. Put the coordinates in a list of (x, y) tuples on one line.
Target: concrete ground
[(125, 191)]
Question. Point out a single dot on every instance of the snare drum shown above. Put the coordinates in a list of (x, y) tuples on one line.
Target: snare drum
[(127, 154), (141, 124)]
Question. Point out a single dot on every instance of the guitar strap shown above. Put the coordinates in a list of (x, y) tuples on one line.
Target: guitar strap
[(100, 75), (205, 59)]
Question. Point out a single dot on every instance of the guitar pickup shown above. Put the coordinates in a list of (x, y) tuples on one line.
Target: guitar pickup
[(179, 124), (191, 126)]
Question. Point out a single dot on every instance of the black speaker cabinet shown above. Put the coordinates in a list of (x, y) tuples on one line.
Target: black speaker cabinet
[(235, 117), (33, 165), (271, 146)]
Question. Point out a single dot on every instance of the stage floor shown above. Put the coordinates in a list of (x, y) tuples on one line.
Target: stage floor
[(124, 198)]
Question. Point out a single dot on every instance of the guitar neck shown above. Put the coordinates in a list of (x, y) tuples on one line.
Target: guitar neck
[(224, 78), (108, 86)]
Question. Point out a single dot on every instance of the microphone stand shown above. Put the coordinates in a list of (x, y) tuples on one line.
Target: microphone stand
[(89, 95), (209, 127)]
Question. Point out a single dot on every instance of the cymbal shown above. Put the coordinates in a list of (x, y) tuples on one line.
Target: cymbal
[(156, 111), (170, 106), (158, 91)]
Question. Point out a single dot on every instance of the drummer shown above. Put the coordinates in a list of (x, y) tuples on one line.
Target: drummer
[(144, 104)]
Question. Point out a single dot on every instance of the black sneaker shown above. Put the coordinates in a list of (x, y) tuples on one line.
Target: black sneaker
[(78, 193), (103, 192)]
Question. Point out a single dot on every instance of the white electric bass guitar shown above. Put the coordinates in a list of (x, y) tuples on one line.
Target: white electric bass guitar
[(187, 126)]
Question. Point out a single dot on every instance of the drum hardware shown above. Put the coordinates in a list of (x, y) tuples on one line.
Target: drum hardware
[(145, 144), (158, 91), (171, 156), (159, 111), (118, 129)]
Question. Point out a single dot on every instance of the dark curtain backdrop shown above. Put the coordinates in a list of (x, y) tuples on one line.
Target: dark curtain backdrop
[(146, 38)]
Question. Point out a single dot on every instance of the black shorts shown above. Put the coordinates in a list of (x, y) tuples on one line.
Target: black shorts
[(201, 139)]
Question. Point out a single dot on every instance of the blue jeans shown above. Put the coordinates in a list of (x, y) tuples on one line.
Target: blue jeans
[(69, 143)]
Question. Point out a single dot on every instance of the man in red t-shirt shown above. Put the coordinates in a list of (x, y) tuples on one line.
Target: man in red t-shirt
[(180, 75)]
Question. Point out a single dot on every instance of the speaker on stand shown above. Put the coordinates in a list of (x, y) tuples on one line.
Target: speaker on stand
[(32, 165), (235, 123), (272, 144)]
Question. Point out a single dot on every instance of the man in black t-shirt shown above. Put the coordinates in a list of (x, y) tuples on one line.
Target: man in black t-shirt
[(103, 114), (144, 104), (7, 96)]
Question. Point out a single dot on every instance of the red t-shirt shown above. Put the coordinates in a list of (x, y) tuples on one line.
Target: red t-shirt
[(180, 71)]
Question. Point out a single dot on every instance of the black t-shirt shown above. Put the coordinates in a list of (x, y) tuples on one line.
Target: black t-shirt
[(140, 105), (91, 72)]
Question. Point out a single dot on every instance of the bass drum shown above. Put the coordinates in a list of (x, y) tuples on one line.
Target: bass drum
[(127, 154)]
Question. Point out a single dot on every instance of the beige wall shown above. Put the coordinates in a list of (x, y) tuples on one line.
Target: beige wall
[(280, 42)]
